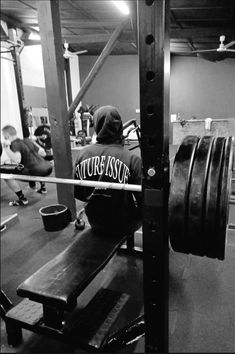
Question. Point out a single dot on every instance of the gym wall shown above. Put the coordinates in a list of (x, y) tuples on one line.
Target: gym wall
[(116, 84), (202, 88), (10, 113), (198, 87)]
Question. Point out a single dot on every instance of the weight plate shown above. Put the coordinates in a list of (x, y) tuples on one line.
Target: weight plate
[(212, 195), (178, 193), (224, 196), (197, 193)]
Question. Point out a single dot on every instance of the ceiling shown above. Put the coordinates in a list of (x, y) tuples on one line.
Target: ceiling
[(87, 25)]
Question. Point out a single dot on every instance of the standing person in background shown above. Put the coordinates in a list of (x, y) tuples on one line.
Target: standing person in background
[(108, 160), (43, 138), (41, 152), (26, 153)]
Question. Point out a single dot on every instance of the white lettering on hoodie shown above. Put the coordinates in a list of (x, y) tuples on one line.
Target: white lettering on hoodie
[(93, 166)]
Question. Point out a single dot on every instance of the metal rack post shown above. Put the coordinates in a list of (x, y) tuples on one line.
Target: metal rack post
[(154, 67)]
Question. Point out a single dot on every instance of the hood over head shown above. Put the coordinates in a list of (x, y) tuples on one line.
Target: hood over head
[(108, 125)]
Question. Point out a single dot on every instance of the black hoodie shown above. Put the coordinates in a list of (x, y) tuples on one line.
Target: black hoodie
[(108, 160), (108, 125)]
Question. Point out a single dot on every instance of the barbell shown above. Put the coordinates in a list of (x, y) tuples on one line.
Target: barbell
[(199, 194), (83, 183)]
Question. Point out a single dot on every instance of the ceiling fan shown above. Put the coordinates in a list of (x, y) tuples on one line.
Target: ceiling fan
[(221, 49), (67, 54)]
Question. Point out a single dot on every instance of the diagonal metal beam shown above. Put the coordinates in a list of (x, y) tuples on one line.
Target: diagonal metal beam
[(133, 6), (28, 5), (97, 66)]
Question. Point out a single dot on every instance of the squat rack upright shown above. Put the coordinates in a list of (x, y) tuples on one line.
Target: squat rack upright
[(154, 68)]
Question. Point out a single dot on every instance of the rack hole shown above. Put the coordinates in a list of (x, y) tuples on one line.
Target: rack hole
[(150, 75), (149, 2), (149, 39), (150, 110)]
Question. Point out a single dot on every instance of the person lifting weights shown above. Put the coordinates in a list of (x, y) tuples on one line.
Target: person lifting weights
[(25, 152)]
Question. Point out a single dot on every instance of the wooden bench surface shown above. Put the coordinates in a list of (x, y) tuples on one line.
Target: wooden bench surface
[(59, 282)]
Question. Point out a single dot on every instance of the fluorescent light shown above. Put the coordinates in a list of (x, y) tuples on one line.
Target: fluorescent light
[(122, 6)]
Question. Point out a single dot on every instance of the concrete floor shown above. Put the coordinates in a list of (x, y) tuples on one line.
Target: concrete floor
[(26, 246), (201, 296)]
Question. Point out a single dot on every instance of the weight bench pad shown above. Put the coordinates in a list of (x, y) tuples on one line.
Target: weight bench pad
[(60, 281)]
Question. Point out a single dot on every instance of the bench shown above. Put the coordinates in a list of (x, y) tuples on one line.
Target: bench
[(52, 291)]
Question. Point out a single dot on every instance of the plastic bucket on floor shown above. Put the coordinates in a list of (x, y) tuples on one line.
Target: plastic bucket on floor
[(55, 217)]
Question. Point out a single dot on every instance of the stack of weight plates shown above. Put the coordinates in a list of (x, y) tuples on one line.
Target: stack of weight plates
[(199, 196)]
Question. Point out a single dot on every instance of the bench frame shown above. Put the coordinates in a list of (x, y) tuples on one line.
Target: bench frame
[(49, 319)]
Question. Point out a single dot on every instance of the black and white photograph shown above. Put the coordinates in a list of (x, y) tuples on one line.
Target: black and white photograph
[(117, 176)]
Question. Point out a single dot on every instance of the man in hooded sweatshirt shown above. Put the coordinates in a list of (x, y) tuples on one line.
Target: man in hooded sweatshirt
[(108, 160)]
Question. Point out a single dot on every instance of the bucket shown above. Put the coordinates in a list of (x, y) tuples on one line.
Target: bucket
[(55, 217)]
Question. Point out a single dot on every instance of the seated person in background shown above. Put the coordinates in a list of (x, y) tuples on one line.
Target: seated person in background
[(109, 210), (24, 152)]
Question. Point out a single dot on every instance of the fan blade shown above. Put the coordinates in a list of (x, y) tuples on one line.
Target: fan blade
[(203, 50), (229, 44), (213, 56), (80, 52), (230, 50), (184, 53)]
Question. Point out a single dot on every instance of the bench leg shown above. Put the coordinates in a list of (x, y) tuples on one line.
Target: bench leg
[(52, 316), (14, 333), (130, 242), (5, 301)]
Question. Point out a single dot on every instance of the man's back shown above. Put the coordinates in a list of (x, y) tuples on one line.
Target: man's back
[(33, 162), (108, 161)]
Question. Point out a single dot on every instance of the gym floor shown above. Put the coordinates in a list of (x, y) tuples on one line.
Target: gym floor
[(201, 296)]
